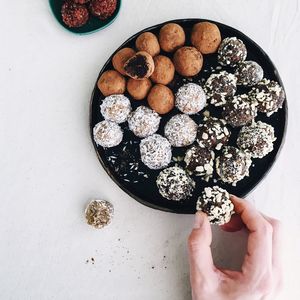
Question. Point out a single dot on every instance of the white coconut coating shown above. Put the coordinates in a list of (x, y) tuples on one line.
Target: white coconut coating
[(156, 152), (107, 134), (249, 73), (181, 130), (116, 108), (143, 121), (216, 203), (190, 98)]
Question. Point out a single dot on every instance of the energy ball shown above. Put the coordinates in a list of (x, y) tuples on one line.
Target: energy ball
[(111, 82), (200, 161), (138, 89), (139, 66), (269, 96), (103, 9), (164, 70), (175, 184), (219, 87), (143, 121), (115, 108), (171, 37), (107, 134), (233, 165), (161, 99), (148, 42), (74, 14), (156, 152), (231, 52), (181, 130), (206, 37), (190, 98), (240, 111), (249, 73), (120, 58), (213, 134), (188, 61), (256, 139), (215, 202)]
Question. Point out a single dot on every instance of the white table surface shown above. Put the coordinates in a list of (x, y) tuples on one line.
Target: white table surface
[(49, 170)]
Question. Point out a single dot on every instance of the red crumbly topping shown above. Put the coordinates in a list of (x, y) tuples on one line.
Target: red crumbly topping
[(73, 14), (103, 8)]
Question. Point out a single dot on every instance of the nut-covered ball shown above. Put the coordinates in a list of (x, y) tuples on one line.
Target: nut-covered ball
[(138, 89), (103, 9), (171, 37), (163, 70), (148, 42), (249, 73), (73, 14), (188, 61), (111, 82), (120, 58), (206, 37), (161, 99)]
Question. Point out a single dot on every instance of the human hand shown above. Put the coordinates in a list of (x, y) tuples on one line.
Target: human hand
[(260, 276)]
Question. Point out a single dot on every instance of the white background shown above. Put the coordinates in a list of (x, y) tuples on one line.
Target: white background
[(49, 170)]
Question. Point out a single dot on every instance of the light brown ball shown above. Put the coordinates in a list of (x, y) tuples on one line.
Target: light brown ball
[(111, 82), (148, 42), (138, 89), (161, 99), (206, 37), (120, 58), (163, 70), (171, 37), (188, 61)]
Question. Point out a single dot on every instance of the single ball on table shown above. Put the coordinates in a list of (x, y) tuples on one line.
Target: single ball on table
[(103, 9), (120, 58), (138, 89), (249, 73), (143, 121), (190, 98), (219, 87), (188, 61), (213, 133), (175, 184), (161, 99), (181, 130), (148, 42), (156, 152), (111, 82), (240, 111), (233, 165), (107, 134), (206, 37), (164, 70), (256, 139), (171, 37), (269, 96), (74, 14), (215, 202), (232, 51)]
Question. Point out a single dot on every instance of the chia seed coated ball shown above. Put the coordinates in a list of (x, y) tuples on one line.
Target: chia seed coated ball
[(181, 130), (231, 52), (73, 14), (215, 202), (156, 152), (175, 184), (116, 108), (240, 111), (233, 165), (107, 134), (269, 95), (190, 98), (249, 73), (219, 87), (213, 133), (256, 139), (143, 121), (103, 9)]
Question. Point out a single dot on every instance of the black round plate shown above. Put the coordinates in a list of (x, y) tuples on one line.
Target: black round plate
[(122, 163)]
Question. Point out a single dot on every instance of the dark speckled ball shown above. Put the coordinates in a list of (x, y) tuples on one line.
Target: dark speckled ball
[(249, 73)]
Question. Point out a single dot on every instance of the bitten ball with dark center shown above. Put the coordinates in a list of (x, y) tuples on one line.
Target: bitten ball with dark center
[(249, 73), (103, 9), (74, 14)]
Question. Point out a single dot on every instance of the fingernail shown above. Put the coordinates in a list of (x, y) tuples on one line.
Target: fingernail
[(199, 219)]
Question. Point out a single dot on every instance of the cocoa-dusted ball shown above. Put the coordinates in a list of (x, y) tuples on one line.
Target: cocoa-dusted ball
[(171, 37), (111, 82), (120, 58), (73, 14), (188, 61), (103, 9), (161, 99), (148, 42), (206, 37), (163, 70), (138, 89)]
